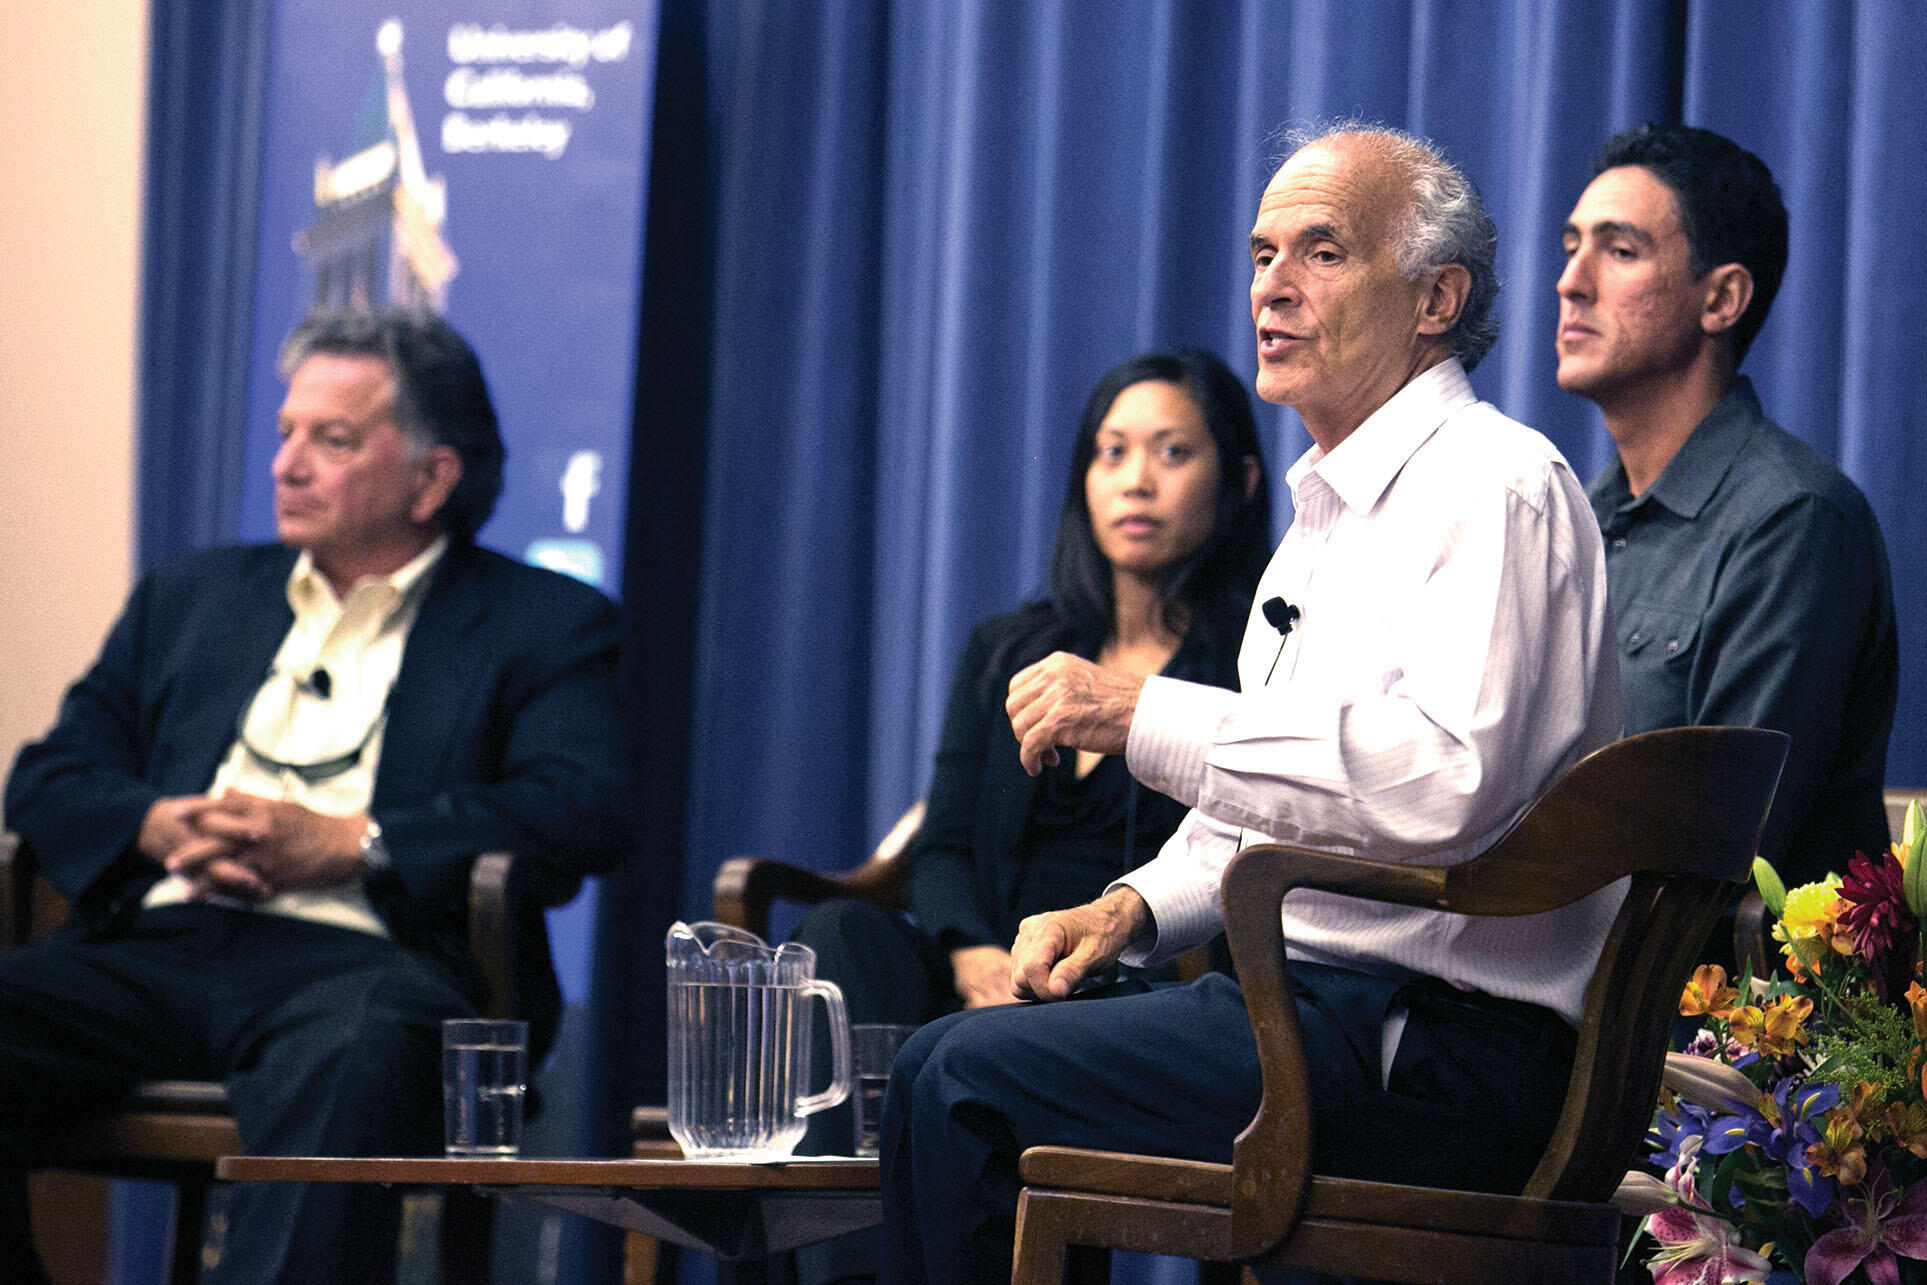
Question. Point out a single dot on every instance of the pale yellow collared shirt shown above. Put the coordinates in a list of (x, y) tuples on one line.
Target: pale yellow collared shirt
[(358, 642)]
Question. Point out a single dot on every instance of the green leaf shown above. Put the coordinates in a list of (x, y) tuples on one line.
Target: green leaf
[(1720, 1191), (1772, 891), (1914, 882), (1912, 826)]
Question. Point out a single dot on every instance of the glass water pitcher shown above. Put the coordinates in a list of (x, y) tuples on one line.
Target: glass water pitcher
[(739, 1043)]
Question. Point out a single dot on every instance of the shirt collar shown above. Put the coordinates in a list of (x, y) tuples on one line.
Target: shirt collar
[(308, 588), (1364, 464), (1701, 464)]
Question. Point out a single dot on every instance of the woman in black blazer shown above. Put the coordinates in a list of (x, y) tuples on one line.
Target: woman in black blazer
[(1162, 536)]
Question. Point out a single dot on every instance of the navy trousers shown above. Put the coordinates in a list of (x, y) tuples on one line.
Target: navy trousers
[(329, 1042), (1474, 1094)]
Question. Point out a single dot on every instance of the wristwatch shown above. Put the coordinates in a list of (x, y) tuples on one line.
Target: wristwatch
[(374, 853)]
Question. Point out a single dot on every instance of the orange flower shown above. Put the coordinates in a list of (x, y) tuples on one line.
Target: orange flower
[(1776, 1030), (1917, 1001), (1707, 994), (1840, 1153), (1909, 1125)]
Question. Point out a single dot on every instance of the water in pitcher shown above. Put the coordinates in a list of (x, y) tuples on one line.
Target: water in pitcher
[(739, 1043), (738, 1073)]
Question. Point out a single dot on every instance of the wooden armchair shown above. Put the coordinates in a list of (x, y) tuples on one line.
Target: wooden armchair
[(174, 1130), (1680, 811)]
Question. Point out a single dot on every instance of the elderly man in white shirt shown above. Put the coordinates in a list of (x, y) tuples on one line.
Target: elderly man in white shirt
[(1428, 655)]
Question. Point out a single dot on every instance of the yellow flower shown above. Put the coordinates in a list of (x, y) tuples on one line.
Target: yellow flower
[(1807, 907), (1776, 1030), (1805, 929), (1708, 994), (1917, 1001)]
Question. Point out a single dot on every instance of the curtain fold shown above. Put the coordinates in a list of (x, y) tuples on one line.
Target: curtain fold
[(1046, 188), (208, 69)]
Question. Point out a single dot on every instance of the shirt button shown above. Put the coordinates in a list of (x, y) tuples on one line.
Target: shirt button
[(1619, 542), (1672, 644)]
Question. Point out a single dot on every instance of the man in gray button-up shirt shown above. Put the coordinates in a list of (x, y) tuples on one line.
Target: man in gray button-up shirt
[(1748, 575)]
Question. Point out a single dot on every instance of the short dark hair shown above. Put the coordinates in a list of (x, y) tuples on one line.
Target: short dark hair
[(1205, 596), (441, 398), (1729, 206)]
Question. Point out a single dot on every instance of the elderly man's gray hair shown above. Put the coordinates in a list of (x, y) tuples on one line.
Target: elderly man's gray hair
[(1447, 224)]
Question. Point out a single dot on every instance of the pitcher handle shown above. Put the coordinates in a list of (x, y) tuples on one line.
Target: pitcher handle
[(839, 1050)]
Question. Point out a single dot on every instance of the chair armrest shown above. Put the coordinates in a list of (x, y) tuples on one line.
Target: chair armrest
[(1271, 1159), (502, 891), (746, 887), (16, 889)]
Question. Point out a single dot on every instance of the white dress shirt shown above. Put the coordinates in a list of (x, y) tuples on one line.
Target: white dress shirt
[(1451, 659), (358, 641)]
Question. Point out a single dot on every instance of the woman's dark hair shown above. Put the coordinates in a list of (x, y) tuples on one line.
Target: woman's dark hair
[(1205, 596)]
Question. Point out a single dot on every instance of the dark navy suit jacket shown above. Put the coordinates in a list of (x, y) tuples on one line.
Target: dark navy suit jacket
[(503, 733)]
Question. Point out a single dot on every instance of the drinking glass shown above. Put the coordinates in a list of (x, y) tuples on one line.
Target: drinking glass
[(485, 1072)]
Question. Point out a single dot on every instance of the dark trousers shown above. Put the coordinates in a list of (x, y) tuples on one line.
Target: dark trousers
[(889, 971), (1475, 1091), (328, 1041)]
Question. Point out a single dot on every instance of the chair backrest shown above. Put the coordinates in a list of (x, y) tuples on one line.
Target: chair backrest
[(1689, 806), (1677, 812)]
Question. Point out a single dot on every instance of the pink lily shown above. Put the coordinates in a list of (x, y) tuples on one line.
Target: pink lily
[(1884, 1226), (1698, 1249)]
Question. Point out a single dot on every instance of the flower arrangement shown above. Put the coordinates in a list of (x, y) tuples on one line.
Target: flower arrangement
[(1792, 1132)]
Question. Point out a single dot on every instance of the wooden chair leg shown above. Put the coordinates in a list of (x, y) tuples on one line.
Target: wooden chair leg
[(646, 1260), (1038, 1258), (190, 1227), (467, 1228)]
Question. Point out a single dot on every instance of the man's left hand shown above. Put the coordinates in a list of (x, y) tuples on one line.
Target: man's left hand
[(1066, 700), (285, 846)]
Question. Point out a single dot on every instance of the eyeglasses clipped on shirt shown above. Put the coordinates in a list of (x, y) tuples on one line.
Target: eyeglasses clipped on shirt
[(318, 684)]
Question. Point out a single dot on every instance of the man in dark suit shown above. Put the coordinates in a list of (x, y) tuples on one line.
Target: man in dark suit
[(263, 799)]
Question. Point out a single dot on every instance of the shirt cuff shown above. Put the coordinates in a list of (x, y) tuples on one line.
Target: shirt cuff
[(1172, 733), (1180, 886)]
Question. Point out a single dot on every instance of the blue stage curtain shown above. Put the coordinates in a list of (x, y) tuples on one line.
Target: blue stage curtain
[(939, 220), (207, 99)]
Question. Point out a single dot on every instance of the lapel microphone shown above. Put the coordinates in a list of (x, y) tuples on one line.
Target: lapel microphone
[(1282, 616)]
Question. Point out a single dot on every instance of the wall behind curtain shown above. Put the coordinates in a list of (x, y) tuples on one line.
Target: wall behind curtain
[(940, 220)]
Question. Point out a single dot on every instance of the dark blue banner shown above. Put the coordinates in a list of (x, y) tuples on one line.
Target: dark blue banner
[(486, 158)]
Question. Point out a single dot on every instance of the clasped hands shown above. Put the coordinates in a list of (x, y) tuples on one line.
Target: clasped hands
[(251, 848)]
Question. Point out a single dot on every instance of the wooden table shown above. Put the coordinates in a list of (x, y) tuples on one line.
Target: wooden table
[(738, 1212)]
